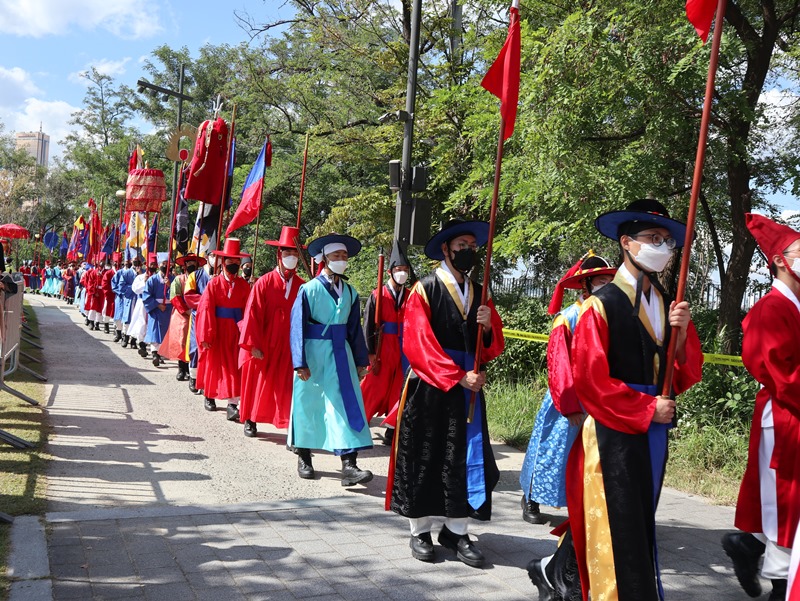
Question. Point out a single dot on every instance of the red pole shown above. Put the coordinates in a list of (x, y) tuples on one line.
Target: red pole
[(378, 327), (223, 201), (302, 183), (697, 181)]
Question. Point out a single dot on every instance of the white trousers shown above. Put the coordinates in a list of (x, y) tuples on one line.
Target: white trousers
[(154, 346), (776, 558), (421, 525)]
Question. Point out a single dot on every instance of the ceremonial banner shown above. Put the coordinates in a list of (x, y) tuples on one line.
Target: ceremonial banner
[(700, 14), (252, 192), (502, 79)]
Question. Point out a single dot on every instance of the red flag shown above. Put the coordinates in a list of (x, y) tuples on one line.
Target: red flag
[(502, 79), (133, 161), (251, 194), (701, 14)]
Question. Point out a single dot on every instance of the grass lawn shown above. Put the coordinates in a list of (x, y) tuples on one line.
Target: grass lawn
[(22, 483), (707, 461)]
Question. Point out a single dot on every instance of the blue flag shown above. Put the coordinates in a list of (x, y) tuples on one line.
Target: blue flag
[(152, 235)]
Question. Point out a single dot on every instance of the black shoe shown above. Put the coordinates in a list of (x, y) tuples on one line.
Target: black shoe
[(778, 590), (142, 350), (117, 335), (422, 547), (233, 413), (181, 376), (536, 574), (192, 387), (210, 404), (465, 549), (744, 549), (132, 344), (530, 512), (304, 468), (250, 429), (157, 360), (96, 327), (107, 328), (86, 323), (388, 436), (351, 473)]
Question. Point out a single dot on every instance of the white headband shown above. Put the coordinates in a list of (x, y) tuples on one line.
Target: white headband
[(328, 249)]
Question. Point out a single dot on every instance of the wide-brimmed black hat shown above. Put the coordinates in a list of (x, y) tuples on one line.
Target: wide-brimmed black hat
[(645, 213), (316, 247), (453, 229)]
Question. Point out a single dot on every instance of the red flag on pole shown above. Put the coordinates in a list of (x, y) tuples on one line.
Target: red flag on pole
[(700, 14), (502, 79), (251, 194)]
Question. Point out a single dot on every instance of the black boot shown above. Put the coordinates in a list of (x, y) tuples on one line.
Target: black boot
[(108, 328), (183, 371), (233, 413), (133, 344), (210, 404), (304, 468), (530, 512), (157, 360), (142, 350), (96, 327), (536, 574), (422, 547), (86, 323), (388, 436), (351, 473), (125, 340), (465, 549), (778, 590), (117, 335), (192, 387), (250, 429), (90, 323), (745, 550)]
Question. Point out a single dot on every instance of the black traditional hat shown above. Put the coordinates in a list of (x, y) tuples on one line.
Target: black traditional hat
[(398, 257), (453, 229), (316, 248), (643, 214)]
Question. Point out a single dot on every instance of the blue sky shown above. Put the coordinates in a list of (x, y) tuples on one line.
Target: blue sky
[(45, 44)]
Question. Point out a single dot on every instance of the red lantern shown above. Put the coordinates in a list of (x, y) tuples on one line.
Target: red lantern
[(145, 191)]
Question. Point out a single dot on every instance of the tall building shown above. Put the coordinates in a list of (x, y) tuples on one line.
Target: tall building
[(36, 144)]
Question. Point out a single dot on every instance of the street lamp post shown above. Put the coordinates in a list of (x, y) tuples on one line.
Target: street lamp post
[(143, 85)]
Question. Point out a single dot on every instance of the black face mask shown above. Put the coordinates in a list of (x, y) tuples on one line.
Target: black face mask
[(464, 259), (247, 272), (163, 270), (191, 268), (232, 268)]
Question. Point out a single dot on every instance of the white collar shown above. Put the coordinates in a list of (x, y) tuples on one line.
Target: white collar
[(462, 289), (338, 288), (786, 291)]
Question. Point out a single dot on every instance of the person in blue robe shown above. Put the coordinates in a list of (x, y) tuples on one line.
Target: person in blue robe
[(329, 355), (156, 302)]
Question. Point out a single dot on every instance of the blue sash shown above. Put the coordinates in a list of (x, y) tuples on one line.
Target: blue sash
[(657, 440), (234, 313), (337, 334), (391, 327), (476, 480)]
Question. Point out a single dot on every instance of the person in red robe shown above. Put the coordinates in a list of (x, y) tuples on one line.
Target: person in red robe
[(108, 293), (616, 465), (94, 296), (265, 356), (220, 310), (768, 508), (442, 465), (382, 385)]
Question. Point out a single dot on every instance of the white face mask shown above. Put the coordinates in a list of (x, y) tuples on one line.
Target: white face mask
[(401, 277), (796, 266), (653, 259), (289, 262), (337, 267)]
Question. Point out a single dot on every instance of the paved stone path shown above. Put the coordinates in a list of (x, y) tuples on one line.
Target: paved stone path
[(151, 497)]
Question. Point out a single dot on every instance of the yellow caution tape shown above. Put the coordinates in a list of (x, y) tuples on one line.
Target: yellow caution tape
[(709, 357)]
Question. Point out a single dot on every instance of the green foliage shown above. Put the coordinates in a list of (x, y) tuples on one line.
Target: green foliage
[(521, 360), (511, 408)]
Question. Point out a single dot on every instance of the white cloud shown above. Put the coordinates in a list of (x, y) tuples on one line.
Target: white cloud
[(52, 116), (105, 66), (37, 18), (15, 86)]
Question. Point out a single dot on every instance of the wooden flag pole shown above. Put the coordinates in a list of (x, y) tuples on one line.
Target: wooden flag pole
[(376, 367), (302, 183), (697, 181), (488, 262)]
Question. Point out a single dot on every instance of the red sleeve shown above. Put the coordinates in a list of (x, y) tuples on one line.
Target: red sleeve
[(206, 317), (559, 368), (770, 352), (498, 343), (690, 372), (608, 400), (423, 351), (179, 304), (253, 332)]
